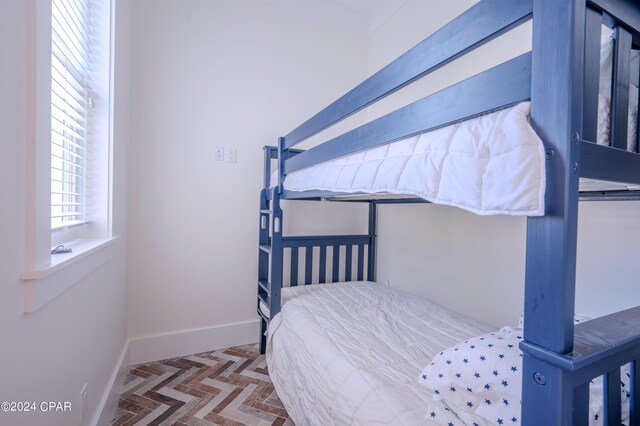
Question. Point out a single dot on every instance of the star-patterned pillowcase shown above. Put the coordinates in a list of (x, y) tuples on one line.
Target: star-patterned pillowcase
[(480, 380), (439, 413)]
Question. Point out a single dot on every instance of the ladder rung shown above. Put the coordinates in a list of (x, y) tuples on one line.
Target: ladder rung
[(266, 249), (265, 211), (265, 285), (264, 317), (264, 298)]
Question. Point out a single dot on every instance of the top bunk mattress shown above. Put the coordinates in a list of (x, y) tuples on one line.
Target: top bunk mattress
[(350, 353), (492, 164)]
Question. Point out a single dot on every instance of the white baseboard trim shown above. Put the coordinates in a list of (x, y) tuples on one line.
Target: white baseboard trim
[(109, 401), (163, 346)]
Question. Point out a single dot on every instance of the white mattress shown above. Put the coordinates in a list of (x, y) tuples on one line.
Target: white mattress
[(492, 164), (349, 353)]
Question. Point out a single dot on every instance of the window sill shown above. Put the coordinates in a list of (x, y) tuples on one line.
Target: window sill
[(43, 285)]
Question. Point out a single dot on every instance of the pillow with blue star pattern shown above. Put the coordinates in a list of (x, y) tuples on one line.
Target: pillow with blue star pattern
[(440, 414), (480, 380), (480, 376)]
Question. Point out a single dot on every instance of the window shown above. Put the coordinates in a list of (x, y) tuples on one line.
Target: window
[(69, 145), (71, 103)]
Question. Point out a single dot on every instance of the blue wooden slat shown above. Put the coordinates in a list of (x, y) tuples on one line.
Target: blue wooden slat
[(263, 239), (478, 25), (343, 197), (620, 88), (348, 263), (622, 195), (592, 44), (277, 254), (263, 332), (634, 397), (581, 404), (637, 141), (371, 255), (322, 274), (308, 265), (498, 87), (557, 84), (270, 153), (324, 240), (311, 195), (605, 163), (294, 266), (360, 262), (335, 275), (623, 11), (263, 266), (612, 397), (265, 286)]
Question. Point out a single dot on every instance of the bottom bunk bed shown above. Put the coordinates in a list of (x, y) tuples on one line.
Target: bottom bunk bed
[(362, 353)]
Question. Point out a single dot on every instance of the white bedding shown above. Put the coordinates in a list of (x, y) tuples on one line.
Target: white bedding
[(349, 353), (492, 164)]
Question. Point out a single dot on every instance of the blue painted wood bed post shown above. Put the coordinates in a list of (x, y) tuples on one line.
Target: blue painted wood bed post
[(371, 255), (277, 250), (263, 256), (270, 246), (549, 397), (277, 246)]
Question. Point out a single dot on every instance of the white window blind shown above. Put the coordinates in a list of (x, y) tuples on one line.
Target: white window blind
[(71, 101)]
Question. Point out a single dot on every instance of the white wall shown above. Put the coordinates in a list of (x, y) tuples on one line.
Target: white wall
[(79, 336), (476, 264), (208, 73)]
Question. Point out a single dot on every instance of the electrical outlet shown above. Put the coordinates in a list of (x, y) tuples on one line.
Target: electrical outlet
[(232, 154), (82, 412), (219, 153)]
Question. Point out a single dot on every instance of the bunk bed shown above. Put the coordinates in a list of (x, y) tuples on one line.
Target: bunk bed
[(553, 97)]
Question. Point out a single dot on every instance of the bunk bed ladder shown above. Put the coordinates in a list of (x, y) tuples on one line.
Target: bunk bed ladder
[(270, 252), (270, 217)]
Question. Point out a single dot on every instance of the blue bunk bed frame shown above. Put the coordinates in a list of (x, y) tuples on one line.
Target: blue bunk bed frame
[(560, 76)]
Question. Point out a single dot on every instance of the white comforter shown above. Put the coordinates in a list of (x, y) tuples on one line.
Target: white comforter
[(349, 353), (492, 164)]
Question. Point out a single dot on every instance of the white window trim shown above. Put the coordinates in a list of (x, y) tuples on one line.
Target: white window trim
[(45, 277)]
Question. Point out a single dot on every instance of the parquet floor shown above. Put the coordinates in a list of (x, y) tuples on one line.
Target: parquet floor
[(225, 387)]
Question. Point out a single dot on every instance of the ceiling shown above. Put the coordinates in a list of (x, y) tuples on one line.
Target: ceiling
[(360, 16)]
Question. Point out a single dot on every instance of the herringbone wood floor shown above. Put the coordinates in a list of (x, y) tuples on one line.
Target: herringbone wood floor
[(225, 387)]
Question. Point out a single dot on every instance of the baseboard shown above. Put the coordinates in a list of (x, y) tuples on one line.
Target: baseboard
[(154, 348), (109, 401)]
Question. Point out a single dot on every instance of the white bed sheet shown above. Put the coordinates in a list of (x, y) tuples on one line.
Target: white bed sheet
[(349, 353)]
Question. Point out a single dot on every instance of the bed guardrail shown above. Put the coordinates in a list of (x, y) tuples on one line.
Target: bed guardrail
[(601, 162), (496, 88), (478, 25), (507, 84), (353, 247)]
